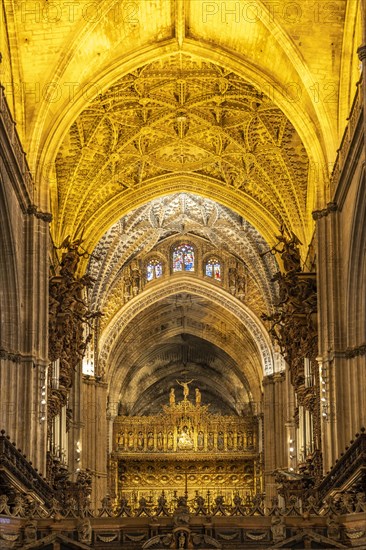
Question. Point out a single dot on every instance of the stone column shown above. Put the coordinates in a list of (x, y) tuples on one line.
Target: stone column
[(24, 266), (275, 408), (290, 437), (23, 369), (95, 436), (35, 332), (76, 425), (329, 334)]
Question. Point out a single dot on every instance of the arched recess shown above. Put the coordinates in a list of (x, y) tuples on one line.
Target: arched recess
[(139, 342), (220, 372), (10, 324), (304, 121), (150, 229), (184, 284), (356, 291)]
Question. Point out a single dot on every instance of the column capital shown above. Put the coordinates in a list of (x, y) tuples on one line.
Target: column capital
[(273, 378)]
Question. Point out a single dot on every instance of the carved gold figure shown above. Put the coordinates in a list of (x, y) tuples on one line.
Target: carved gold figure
[(185, 387)]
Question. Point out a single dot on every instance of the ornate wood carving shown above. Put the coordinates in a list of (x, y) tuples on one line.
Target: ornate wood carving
[(68, 316), (293, 327)]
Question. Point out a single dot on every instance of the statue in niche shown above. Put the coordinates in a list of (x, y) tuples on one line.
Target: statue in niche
[(150, 440), (121, 440), (241, 287), (220, 440), (127, 285), (172, 397), (198, 397), (232, 279), (170, 441), (200, 439), (140, 440), (184, 439), (210, 440), (130, 440), (181, 540), (230, 440), (160, 441), (239, 440), (136, 278)]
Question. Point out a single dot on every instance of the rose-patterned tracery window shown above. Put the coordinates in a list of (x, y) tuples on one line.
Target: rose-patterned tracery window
[(183, 258), (213, 269), (154, 269)]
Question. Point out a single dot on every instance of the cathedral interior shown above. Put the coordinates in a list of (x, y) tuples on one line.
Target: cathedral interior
[(182, 274)]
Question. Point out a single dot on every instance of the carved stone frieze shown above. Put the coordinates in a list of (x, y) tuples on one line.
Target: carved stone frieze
[(357, 351), (10, 356)]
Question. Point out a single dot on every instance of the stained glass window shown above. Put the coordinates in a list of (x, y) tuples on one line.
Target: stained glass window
[(154, 269), (183, 258), (213, 268)]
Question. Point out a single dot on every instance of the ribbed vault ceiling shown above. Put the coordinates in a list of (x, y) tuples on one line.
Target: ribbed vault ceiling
[(185, 337), (185, 123), (180, 116)]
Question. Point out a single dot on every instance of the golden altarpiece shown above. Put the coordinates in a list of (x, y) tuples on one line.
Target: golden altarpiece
[(186, 450)]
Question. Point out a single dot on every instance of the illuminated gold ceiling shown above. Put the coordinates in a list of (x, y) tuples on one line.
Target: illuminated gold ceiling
[(61, 62), (187, 119)]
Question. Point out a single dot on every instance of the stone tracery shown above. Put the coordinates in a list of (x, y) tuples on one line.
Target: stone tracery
[(179, 214)]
